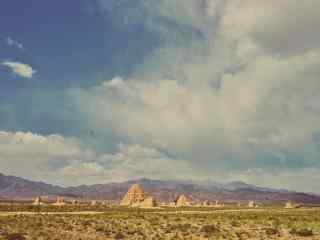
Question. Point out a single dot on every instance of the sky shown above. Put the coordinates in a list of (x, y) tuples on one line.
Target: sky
[(97, 91)]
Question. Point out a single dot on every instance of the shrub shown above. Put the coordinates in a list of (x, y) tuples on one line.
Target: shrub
[(15, 236), (272, 231), (302, 232), (235, 223), (119, 235), (209, 229)]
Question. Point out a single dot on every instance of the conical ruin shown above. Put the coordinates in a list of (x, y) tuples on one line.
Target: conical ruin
[(134, 196), (182, 201), (206, 203), (60, 202), (149, 202), (218, 205), (252, 204), (37, 201), (290, 205)]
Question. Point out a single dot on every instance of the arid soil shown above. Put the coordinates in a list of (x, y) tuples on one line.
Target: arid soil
[(125, 223)]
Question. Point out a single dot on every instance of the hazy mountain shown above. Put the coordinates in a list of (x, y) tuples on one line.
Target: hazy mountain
[(18, 188), (15, 187)]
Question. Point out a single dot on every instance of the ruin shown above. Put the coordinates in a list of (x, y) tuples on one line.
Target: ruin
[(182, 201), (290, 205), (149, 202), (60, 202), (218, 205), (37, 201), (134, 196), (206, 203), (252, 204)]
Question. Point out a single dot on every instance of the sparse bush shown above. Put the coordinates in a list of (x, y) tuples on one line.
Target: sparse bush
[(209, 229), (119, 236), (235, 223), (15, 236), (302, 232), (272, 231), (130, 224)]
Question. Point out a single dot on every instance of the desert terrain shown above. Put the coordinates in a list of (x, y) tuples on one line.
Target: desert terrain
[(22, 221)]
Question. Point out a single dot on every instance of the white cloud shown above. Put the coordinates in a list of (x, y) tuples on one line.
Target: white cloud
[(127, 163), (66, 161), (283, 26), (240, 102), (27, 153), (201, 121), (21, 69), (12, 43), (246, 94)]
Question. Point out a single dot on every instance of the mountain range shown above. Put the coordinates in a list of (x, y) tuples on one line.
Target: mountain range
[(15, 188)]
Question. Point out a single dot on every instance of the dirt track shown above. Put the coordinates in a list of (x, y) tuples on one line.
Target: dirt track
[(4, 214)]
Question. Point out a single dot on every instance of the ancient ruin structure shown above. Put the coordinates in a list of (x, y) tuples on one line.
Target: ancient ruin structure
[(290, 205), (149, 202), (134, 196), (60, 202), (37, 201), (252, 204), (218, 205), (182, 201), (206, 203)]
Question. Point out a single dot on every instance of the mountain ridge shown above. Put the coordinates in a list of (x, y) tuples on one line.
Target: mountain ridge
[(12, 187)]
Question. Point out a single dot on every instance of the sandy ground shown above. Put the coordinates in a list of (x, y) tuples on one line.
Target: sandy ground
[(4, 214), (235, 210)]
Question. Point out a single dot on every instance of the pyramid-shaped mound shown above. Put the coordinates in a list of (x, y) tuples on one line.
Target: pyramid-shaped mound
[(134, 196), (37, 201), (182, 201), (290, 205), (253, 204), (60, 202), (149, 202)]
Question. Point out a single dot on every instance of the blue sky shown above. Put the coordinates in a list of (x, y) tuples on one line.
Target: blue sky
[(69, 46), (95, 91)]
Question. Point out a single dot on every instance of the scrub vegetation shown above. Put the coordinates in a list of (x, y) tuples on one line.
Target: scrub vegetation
[(157, 224)]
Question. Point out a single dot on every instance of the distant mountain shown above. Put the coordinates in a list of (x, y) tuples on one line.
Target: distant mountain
[(18, 188), (15, 187)]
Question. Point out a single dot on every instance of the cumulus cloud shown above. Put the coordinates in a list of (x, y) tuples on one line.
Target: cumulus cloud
[(20, 69), (249, 108), (12, 43), (238, 102), (244, 98), (130, 162), (27, 153), (162, 15), (283, 26), (66, 161)]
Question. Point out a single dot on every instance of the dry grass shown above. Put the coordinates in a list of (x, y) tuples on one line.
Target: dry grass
[(122, 223)]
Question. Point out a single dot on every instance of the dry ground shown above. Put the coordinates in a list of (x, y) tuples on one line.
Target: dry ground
[(122, 223)]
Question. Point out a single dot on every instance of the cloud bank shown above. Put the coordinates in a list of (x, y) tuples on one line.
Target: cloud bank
[(66, 161), (20, 69), (241, 98), (232, 93), (13, 43)]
